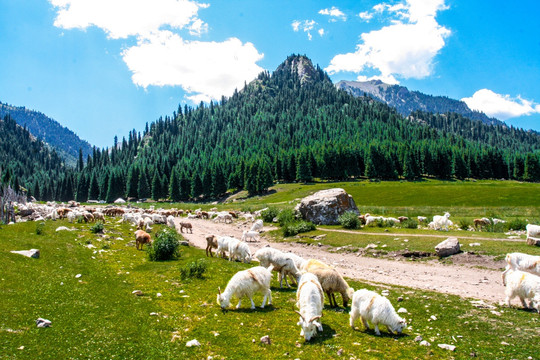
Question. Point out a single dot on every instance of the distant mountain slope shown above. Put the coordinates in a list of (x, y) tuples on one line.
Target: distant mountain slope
[(65, 141), (405, 101)]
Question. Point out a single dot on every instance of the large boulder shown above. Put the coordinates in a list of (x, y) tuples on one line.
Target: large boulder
[(448, 247), (325, 206)]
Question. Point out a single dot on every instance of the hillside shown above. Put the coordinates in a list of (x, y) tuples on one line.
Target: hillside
[(65, 141), (406, 101)]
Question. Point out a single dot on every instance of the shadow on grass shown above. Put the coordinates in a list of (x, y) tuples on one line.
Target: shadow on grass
[(283, 290), (248, 310), (327, 334), (385, 333)]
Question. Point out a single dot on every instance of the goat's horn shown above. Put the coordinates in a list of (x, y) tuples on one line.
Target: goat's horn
[(219, 290), (298, 312), (315, 318)]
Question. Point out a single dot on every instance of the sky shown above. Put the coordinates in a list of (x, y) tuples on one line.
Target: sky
[(105, 67)]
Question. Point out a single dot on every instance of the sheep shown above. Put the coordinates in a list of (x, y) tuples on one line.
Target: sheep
[(211, 242), (403, 219), (376, 309), (223, 217), (372, 219), (481, 222), (193, 216), (187, 226), (332, 282), (312, 264), (522, 262), (282, 262), (310, 300), (204, 215), (239, 250), (250, 235), (223, 245), (246, 283), (362, 218), (439, 222), (422, 219), (99, 216), (525, 286), (249, 217), (141, 238), (533, 233), (496, 221), (170, 222), (257, 225)]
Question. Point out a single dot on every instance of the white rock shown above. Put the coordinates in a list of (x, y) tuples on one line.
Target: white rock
[(193, 342), (158, 295), (266, 340), (402, 311), (433, 317), (474, 244), (448, 247), (78, 276), (42, 323), (63, 228), (424, 343), (137, 292), (418, 338), (447, 347), (32, 253)]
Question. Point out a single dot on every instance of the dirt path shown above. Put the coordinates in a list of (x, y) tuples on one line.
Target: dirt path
[(458, 280)]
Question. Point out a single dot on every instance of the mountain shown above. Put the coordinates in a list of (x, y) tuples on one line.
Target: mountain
[(406, 101), (65, 141)]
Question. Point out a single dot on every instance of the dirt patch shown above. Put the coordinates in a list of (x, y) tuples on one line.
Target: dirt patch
[(461, 277)]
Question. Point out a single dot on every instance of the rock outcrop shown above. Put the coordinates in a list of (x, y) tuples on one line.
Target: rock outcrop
[(325, 206), (448, 247)]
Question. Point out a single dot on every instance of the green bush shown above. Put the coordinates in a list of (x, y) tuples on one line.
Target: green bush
[(269, 214), (40, 228), (516, 224), (349, 220), (409, 224), (193, 269), (285, 217), (165, 247), (464, 224), (97, 227), (295, 228)]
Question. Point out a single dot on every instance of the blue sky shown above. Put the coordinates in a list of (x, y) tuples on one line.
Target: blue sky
[(104, 67)]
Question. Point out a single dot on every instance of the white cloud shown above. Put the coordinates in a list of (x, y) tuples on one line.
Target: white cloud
[(123, 18), (406, 48), (307, 26), (334, 13), (321, 31), (366, 15), (385, 79), (499, 106), (207, 70)]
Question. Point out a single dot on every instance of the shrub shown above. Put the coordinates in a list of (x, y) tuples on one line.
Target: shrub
[(409, 224), (165, 247), (269, 214), (97, 227), (516, 224), (464, 224), (40, 228), (349, 220), (285, 217), (295, 228), (193, 269)]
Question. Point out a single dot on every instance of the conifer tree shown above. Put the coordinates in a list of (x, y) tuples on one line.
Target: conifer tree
[(175, 191), (143, 189)]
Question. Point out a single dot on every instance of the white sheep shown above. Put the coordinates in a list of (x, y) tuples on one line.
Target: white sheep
[(239, 250), (522, 262), (282, 262), (253, 235), (223, 217), (374, 308), (246, 283), (439, 222), (422, 219), (523, 285), (170, 222), (310, 300), (257, 225), (248, 217)]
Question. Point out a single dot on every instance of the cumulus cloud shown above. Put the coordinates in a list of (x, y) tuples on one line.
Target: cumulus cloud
[(208, 70), (306, 25), (405, 48), (162, 57), (499, 106), (366, 15), (334, 13)]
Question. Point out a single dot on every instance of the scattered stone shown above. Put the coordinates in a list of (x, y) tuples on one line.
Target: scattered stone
[(504, 343), (32, 253), (266, 340), (325, 206), (448, 247), (372, 246), (472, 354), (424, 343), (402, 311), (418, 338), (340, 352), (159, 295), (400, 299), (480, 304), (193, 342), (64, 228), (78, 276), (43, 323), (433, 317), (20, 348), (447, 347), (154, 314), (137, 292), (184, 243), (474, 244), (385, 292)]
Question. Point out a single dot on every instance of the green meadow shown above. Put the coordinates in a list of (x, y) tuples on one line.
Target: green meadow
[(96, 316)]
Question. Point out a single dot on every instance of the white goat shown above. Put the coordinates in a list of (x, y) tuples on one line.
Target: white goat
[(309, 299), (525, 286), (257, 225), (522, 262), (439, 222), (533, 232), (239, 250), (253, 235), (377, 309), (422, 219), (223, 245), (283, 263), (246, 283), (170, 222)]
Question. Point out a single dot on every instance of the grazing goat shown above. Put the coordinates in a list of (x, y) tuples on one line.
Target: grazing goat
[(211, 243), (257, 225), (170, 222), (422, 219), (523, 285), (377, 309), (187, 226), (223, 217), (253, 235), (481, 223), (332, 282), (240, 251), (281, 261), (223, 245), (402, 219), (439, 222), (533, 233), (312, 264), (522, 262), (141, 238), (310, 300), (246, 283)]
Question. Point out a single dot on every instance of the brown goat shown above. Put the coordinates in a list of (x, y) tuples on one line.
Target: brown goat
[(142, 237), (211, 242), (480, 222), (402, 219), (187, 226), (204, 215)]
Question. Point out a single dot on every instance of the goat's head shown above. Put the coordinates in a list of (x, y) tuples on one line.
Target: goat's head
[(309, 327)]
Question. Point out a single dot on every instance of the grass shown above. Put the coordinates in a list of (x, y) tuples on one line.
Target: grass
[(97, 316)]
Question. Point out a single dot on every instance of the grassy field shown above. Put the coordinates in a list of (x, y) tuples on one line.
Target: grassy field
[(97, 316)]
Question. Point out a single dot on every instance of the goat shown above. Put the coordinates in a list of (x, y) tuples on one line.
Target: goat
[(141, 238), (211, 242), (246, 283), (377, 309), (310, 300), (187, 226), (523, 285)]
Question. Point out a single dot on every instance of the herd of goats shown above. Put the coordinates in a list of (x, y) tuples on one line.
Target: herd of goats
[(312, 277)]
